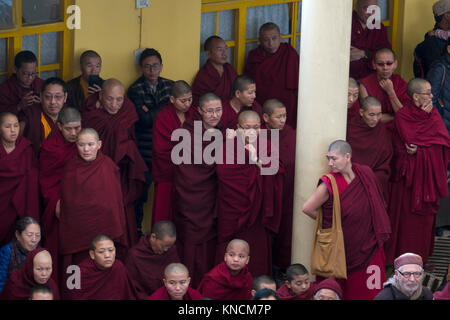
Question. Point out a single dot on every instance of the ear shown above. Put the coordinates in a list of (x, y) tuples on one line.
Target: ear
[(59, 126), (266, 117), (65, 96), (188, 281), (172, 99), (287, 283), (17, 234), (361, 111), (91, 254), (99, 144), (253, 292)]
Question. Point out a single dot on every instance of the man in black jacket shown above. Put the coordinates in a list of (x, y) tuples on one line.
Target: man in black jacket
[(149, 93)]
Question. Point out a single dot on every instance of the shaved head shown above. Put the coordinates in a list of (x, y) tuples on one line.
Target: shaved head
[(271, 105), (239, 243), (295, 270), (384, 50), (415, 86), (98, 238), (112, 83), (370, 102), (241, 84), (163, 229), (180, 88), (248, 115), (353, 84), (341, 146), (207, 97), (68, 114), (175, 268), (269, 26), (42, 256), (89, 131)]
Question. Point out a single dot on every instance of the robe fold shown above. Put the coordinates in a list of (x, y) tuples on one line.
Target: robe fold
[(371, 147), (194, 212), (287, 294), (103, 284), (119, 143), (208, 79), (418, 181), (55, 153), (219, 284), (249, 205), (166, 122), (230, 117), (276, 76), (19, 187), (162, 294), (367, 40), (146, 268), (11, 93), (444, 294), (21, 281)]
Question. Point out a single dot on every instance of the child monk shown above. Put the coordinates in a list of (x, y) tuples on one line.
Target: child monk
[(230, 280), (297, 285)]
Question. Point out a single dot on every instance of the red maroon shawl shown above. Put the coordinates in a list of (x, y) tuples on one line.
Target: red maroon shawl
[(162, 294), (21, 281), (91, 203), (165, 123), (276, 76), (34, 130), (19, 188), (230, 117), (218, 284), (353, 111), (365, 223), (444, 294), (425, 172), (372, 147), (103, 284), (368, 40), (55, 153), (146, 268), (286, 294), (11, 93), (209, 80), (119, 143)]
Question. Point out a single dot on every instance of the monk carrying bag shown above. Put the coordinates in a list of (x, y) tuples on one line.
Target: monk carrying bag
[(328, 252)]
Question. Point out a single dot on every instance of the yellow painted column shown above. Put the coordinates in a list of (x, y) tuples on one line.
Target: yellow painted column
[(322, 115)]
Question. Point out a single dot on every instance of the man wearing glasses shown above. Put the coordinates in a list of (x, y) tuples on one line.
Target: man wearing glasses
[(22, 89), (406, 283)]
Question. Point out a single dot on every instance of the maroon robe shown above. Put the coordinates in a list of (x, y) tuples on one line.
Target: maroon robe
[(119, 143), (146, 268), (276, 76), (21, 281), (11, 93), (208, 79), (166, 122), (249, 206), (103, 284), (162, 294), (283, 240), (374, 89), (19, 188), (55, 153), (195, 209), (367, 40), (286, 294), (219, 284), (418, 181), (372, 147), (34, 129), (444, 294), (353, 111), (230, 117)]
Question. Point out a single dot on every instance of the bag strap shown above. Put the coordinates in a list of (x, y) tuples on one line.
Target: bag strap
[(336, 208)]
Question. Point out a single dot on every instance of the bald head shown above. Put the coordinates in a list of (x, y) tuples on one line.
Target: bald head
[(207, 97), (111, 83), (89, 131), (238, 243), (416, 86), (384, 51), (68, 114), (42, 257), (353, 84), (180, 88), (177, 268), (248, 115), (163, 229), (271, 105), (340, 146), (269, 26), (370, 102)]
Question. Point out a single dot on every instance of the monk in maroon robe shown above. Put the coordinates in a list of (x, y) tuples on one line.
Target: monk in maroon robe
[(244, 99), (19, 189), (353, 99), (370, 141), (216, 75), (113, 116), (195, 186), (250, 193), (91, 201), (388, 88), (275, 67), (55, 153), (36, 269), (297, 285), (170, 118), (176, 285), (366, 38), (419, 178), (230, 279), (102, 276), (365, 223), (39, 120), (275, 115), (146, 261), (23, 88)]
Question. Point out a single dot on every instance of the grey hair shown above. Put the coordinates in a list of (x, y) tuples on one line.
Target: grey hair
[(317, 294)]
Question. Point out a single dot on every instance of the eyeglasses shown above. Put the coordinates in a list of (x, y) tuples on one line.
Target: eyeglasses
[(425, 93), (30, 75), (382, 64), (210, 112), (152, 66), (407, 275)]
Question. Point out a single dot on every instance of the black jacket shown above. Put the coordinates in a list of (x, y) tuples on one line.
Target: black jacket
[(392, 293)]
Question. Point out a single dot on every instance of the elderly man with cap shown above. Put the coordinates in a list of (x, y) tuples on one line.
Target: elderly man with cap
[(406, 283), (328, 289)]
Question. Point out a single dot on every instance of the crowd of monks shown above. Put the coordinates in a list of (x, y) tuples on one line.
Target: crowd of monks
[(79, 158)]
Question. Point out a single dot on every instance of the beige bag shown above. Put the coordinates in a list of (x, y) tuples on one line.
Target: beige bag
[(328, 252)]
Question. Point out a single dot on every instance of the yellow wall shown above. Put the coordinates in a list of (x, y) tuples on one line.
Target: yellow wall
[(415, 20), (112, 28)]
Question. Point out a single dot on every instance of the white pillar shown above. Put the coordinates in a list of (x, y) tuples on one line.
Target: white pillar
[(322, 111)]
